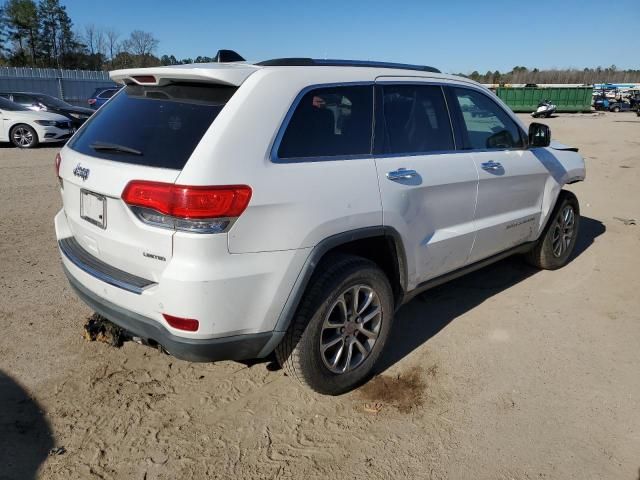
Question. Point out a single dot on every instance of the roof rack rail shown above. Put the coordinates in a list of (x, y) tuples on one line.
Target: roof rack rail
[(308, 62)]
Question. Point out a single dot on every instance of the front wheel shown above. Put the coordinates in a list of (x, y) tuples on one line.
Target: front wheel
[(341, 326), (23, 136), (558, 239)]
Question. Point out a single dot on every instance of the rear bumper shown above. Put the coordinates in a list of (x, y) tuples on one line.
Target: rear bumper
[(238, 347)]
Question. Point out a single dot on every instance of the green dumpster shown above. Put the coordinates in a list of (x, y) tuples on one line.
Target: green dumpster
[(567, 99)]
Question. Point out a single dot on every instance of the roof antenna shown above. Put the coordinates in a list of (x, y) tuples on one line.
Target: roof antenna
[(226, 56)]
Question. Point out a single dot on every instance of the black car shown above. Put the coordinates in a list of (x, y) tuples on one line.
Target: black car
[(41, 101)]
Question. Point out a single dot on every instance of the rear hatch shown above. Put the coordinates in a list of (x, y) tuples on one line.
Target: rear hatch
[(146, 132)]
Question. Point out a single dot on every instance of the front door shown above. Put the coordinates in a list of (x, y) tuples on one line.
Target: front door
[(511, 178), (428, 189)]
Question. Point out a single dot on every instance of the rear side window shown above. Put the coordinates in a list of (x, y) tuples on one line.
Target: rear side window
[(416, 120), (330, 122), (107, 94), (152, 125), (487, 125), (23, 99)]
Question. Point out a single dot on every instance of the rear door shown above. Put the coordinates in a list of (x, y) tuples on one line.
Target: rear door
[(428, 189), (144, 133), (511, 178)]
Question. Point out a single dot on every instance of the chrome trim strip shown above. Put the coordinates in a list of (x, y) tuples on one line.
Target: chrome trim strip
[(100, 270), (392, 80)]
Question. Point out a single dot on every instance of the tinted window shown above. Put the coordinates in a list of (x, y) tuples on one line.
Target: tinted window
[(487, 125), (416, 119), (165, 124), (23, 99), (52, 102), (107, 93), (11, 106), (330, 122)]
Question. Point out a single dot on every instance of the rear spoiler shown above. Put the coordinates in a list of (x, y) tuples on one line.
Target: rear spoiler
[(233, 74)]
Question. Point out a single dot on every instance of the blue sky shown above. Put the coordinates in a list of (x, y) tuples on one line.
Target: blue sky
[(455, 36)]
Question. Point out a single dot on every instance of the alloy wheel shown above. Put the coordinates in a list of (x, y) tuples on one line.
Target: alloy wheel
[(23, 136), (563, 231), (350, 329)]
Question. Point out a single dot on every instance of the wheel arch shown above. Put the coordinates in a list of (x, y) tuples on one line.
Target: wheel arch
[(551, 206), (382, 245)]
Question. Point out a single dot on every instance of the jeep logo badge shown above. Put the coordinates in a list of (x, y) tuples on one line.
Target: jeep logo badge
[(81, 172)]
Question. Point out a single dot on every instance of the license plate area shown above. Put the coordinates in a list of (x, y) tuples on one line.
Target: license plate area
[(93, 208)]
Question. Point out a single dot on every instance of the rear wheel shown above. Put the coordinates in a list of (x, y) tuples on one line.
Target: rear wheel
[(23, 136), (340, 328), (616, 109), (558, 239)]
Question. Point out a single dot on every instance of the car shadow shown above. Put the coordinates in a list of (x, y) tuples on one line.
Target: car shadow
[(25, 434), (426, 315)]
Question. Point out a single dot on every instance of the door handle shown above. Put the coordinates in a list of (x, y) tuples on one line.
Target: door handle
[(491, 165), (402, 174)]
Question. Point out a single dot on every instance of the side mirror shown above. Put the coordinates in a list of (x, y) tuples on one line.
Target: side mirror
[(539, 135)]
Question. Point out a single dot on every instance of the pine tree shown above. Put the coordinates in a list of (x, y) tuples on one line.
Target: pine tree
[(4, 35), (49, 31), (22, 17), (68, 46)]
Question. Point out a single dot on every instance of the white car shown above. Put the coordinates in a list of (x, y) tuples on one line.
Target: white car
[(227, 211), (25, 128)]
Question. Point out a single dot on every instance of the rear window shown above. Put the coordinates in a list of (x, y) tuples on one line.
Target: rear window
[(330, 122), (152, 125)]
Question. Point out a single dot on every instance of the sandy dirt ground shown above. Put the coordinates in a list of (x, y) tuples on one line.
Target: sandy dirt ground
[(509, 373)]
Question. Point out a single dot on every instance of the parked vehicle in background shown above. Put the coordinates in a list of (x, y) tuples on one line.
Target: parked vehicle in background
[(545, 109), (101, 95), (619, 107), (26, 128), (227, 211), (601, 102), (47, 103)]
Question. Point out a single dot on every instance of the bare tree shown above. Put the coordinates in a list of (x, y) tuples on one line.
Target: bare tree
[(89, 37), (113, 43), (141, 43)]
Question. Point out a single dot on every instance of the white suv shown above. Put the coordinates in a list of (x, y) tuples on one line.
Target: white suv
[(224, 211)]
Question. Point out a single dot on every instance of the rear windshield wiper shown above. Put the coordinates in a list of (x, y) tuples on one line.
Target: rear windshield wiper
[(114, 147)]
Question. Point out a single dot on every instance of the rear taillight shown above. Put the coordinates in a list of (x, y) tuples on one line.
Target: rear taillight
[(58, 162), (189, 208), (91, 101), (187, 324)]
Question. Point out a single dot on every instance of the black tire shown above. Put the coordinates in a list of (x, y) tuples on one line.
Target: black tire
[(23, 136), (300, 353), (616, 109), (548, 254)]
